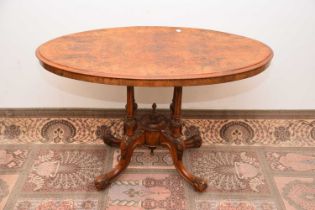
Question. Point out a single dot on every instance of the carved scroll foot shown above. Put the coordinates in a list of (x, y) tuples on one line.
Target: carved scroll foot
[(176, 148), (194, 141), (102, 182), (127, 147), (111, 141), (104, 133), (200, 185)]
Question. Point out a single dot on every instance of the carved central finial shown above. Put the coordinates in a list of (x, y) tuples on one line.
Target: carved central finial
[(154, 107)]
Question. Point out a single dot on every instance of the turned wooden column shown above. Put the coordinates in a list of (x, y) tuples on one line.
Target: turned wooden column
[(176, 111), (131, 106)]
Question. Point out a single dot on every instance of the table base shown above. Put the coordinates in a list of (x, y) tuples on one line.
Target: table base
[(153, 130)]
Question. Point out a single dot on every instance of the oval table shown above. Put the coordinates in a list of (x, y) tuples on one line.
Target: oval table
[(154, 57)]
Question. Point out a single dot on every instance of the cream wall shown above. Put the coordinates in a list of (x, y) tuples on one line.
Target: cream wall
[(288, 26)]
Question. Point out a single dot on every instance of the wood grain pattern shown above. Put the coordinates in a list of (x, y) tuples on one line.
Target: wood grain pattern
[(154, 56)]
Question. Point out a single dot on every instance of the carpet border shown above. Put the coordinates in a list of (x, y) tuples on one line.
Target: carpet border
[(187, 113)]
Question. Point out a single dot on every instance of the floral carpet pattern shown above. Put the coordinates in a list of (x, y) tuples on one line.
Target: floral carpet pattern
[(255, 160)]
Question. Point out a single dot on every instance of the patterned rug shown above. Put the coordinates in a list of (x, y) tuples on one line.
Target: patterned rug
[(252, 160)]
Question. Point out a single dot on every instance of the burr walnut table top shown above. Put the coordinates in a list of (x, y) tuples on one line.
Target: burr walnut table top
[(154, 56)]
